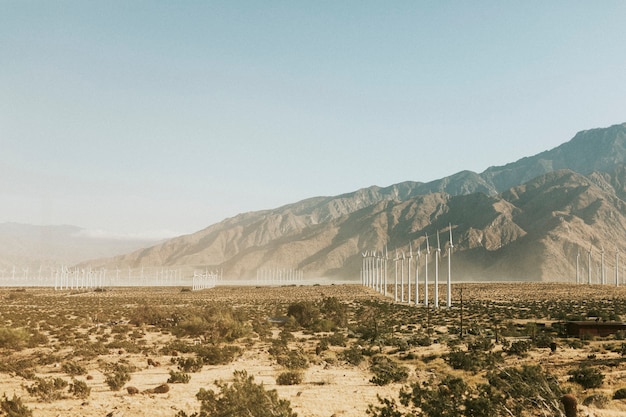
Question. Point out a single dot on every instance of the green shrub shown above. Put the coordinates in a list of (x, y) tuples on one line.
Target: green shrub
[(117, 379), (519, 348), (79, 389), (189, 364), (242, 398), (215, 355), (13, 339), (304, 312), (47, 389), (337, 339), (178, 378), (290, 378), (353, 355), (293, 360), (73, 368), (510, 392), (386, 371), (586, 377)]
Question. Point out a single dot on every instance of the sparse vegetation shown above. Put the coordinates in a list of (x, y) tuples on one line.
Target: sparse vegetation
[(14, 407), (56, 336), (241, 398)]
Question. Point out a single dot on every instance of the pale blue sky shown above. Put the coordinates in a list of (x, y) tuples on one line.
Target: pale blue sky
[(142, 116)]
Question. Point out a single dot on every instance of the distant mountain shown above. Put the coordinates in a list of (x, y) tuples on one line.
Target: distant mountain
[(26, 245), (524, 220)]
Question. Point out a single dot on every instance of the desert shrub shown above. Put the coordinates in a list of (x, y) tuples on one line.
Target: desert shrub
[(178, 378), (14, 407), (13, 339), (126, 345), (304, 312), (575, 343), (620, 394), (178, 346), (290, 378), (215, 355), (79, 389), (47, 389), (37, 339), (427, 341), (73, 368), (262, 328), (386, 370), (337, 339), (597, 400), (155, 316), (459, 359), (19, 367), (117, 379), (241, 398), (528, 387), (192, 326), (91, 350), (473, 361), (335, 311), (189, 364), (353, 355), (586, 377), (543, 340), (480, 344), (293, 360), (519, 348), (510, 392)]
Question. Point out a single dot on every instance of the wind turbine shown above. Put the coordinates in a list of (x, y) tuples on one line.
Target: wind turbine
[(363, 269), (616, 267), (409, 270), (437, 256), (449, 295), (426, 273), (417, 275), (385, 269), (577, 263), (395, 290), (602, 274), (589, 266), (402, 279)]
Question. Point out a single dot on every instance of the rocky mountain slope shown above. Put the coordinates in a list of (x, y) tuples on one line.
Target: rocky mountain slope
[(525, 220)]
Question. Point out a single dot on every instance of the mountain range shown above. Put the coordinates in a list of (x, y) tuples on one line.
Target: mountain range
[(527, 220)]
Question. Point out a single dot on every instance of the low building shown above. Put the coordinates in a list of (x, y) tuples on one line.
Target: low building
[(593, 328)]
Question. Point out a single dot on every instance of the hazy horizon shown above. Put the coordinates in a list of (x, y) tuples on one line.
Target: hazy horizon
[(143, 118)]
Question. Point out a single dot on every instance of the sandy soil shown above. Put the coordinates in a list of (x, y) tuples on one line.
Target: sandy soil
[(330, 387)]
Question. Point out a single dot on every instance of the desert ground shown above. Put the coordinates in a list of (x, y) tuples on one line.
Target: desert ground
[(149, 351)]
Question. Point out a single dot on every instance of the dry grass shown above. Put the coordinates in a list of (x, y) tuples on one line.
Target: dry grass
[(87, 336)]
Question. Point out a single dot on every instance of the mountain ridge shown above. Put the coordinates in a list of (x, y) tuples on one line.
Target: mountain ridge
[(496, 217)]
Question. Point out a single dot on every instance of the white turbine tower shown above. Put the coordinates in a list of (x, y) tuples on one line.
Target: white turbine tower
[(577, 264), (437, 257), (385, 269), (402, 279), (409, 271), (426, 273), (602, 270), (589, 266), (616, 267), (363, 269), (395, 285), (417, 275), (449, 289)]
